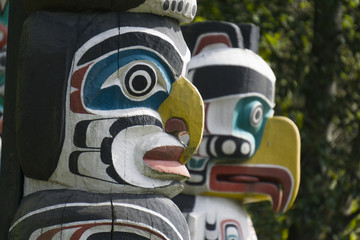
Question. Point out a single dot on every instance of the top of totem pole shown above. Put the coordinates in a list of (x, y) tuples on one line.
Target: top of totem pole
[(242, 35), (220, 44), (246, 153), (182, 10)]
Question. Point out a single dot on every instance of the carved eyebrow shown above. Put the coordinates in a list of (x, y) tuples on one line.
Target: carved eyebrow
[(132, 39), (222, 79)]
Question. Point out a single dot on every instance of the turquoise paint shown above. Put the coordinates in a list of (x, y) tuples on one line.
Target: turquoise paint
[(242, 126), (111, 98), (232, 237), (4, 16), (197, 163)]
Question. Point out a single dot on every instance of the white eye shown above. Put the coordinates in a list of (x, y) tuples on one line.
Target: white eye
[(245, 148), (256, 115), (140, 80), (228, 147)]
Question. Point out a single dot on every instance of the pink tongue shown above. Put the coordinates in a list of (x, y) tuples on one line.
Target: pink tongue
[(166, 159)]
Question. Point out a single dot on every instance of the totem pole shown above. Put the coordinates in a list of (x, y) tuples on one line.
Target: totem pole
[(101, 104), (246, 154)]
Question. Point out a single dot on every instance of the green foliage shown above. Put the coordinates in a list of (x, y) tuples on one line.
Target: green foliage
[(314, 49)]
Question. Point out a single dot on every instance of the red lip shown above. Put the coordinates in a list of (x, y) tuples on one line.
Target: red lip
[(272, 181), (166, 159)]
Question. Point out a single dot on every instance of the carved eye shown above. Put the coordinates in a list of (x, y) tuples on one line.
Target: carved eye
[(232, 233), (256, 115), (140, 80)]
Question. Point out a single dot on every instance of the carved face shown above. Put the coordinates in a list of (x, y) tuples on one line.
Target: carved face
[(227, 220), (243, 153), (126, 103), (118, 83)]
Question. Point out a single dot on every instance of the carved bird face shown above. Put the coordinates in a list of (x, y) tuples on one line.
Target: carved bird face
[(127, 104), (218, 218), (246, 153)]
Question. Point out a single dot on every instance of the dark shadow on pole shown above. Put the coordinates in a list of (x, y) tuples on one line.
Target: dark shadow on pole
[(11, 178)]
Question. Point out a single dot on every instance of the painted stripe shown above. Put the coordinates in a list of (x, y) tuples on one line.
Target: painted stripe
[(127, 205), (119, 42), (186, 57), (63, 205), (230, 80), (123, 123), (209, 39), (193, 32), (145, 227), (151, 212), (268, 166), (81, 224), (233, 57), (122, 30)]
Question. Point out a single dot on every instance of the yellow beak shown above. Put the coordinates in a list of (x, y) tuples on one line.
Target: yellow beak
[(185, 103), (280, 148), (276, 163)]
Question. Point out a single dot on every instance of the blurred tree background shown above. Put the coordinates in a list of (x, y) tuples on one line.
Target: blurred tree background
[(314, 49)]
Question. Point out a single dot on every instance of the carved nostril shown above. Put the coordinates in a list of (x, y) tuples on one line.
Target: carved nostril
[(178, 128), (175, 125)]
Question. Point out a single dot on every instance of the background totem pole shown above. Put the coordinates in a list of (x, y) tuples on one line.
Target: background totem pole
[(246, 154), (100, 104)]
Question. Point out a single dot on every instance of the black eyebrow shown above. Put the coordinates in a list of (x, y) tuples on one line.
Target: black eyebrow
[(227, 80), (119, 125), (163, 47)]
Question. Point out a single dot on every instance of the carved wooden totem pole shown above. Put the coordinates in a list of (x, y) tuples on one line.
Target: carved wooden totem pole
[(246, 154), (101, 103)]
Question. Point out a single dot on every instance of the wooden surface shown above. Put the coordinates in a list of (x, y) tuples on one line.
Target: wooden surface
[(71, 123), (11, 182)]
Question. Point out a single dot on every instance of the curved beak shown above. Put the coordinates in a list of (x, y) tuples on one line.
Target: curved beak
[(273, 173), (186, 104), (279, 153)]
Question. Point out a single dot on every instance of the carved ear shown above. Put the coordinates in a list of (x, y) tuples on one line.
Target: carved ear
[(242, 35), (251, 36), (42, 84), (45, 61), (201, 34)]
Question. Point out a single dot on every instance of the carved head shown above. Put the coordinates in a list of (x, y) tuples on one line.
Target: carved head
[(246, 153), (215, 218), (117, 104)]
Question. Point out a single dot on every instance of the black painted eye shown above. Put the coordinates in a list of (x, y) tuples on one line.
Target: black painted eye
[(256, 115), (140, 80), (228, 146)]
